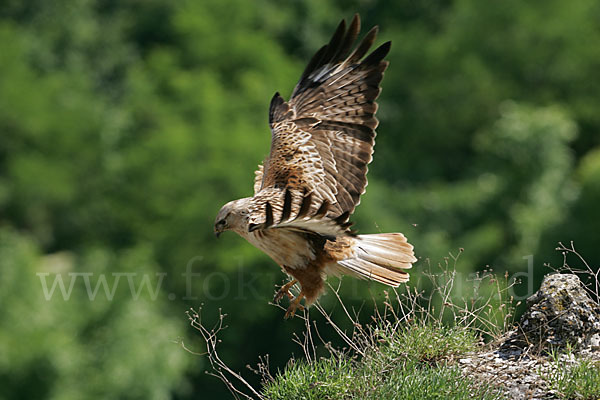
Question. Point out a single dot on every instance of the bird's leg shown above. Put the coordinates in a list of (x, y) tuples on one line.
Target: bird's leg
[(284, 291), (294, 305)]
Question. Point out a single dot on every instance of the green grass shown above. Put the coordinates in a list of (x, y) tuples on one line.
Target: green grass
[(324, 379), (426, 343), (414, 362), (423, 382), (577, 381)]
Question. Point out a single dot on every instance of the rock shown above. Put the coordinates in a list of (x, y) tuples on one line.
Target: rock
[(559, 314), (595, 342)]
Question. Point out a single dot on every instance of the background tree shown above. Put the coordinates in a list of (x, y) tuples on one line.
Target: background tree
[(124, 126)]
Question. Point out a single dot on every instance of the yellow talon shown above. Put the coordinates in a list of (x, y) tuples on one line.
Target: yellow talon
[(284, 291), (294, 305)]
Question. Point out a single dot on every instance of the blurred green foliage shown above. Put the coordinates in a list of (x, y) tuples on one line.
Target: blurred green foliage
[(124, 126)]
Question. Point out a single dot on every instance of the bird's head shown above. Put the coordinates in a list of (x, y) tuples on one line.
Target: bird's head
[(232, 216)]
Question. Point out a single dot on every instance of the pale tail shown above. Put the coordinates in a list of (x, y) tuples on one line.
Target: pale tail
[(383, 257)]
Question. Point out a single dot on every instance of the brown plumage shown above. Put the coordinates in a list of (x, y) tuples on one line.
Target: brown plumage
[(304, 193)]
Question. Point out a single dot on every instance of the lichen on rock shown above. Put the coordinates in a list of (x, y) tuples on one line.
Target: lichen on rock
[(559, 314)]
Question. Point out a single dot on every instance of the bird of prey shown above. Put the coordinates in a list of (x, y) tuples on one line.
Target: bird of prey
[(305, 190)]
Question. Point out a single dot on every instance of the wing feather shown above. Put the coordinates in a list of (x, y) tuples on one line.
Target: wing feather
[(322, 138), (295, 211)]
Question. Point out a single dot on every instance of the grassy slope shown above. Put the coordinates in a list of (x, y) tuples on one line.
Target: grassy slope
[(415, 362), (578, 381)]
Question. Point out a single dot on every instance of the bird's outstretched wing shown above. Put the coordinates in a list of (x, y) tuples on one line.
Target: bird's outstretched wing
[(323, 137)]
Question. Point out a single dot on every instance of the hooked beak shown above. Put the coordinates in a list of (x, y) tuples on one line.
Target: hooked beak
[(218, 230)]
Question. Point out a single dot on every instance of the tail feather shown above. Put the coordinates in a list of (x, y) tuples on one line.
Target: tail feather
[(381, 257)]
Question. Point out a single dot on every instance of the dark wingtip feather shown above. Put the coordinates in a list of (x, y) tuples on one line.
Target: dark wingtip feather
[(378, 54), (334, 44), (276, 101), (364, 46), (354, 27), (348, 40), (338, 35)]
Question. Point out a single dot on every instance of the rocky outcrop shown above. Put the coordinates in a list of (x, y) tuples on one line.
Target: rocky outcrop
[(560, 314)]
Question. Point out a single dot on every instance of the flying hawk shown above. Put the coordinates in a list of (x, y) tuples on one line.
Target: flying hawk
[(322, 141)]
